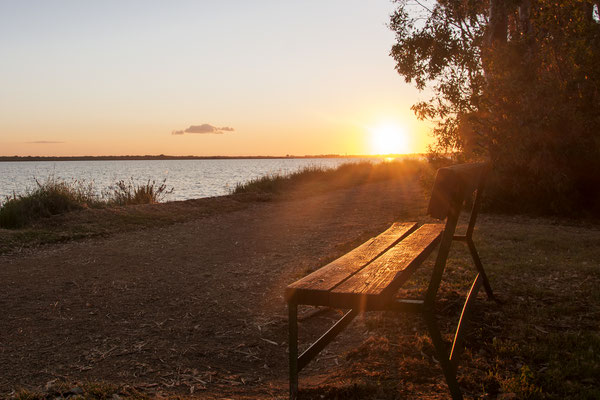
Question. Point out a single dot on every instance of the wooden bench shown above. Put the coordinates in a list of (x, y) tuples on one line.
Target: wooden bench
[(368, 277)]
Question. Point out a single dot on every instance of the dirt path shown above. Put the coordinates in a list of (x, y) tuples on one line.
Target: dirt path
[(192, 307)]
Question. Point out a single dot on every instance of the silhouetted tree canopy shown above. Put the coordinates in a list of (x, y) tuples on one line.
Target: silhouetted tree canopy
[(515, 81)]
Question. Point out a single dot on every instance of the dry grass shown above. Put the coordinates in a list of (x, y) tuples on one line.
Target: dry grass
[(315, 180), (82, 391), (541, 342), (56, 196)]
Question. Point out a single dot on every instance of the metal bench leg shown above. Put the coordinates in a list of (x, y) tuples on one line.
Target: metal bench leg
[(480, 270), (458, 345), (293, 348), (447, 366)]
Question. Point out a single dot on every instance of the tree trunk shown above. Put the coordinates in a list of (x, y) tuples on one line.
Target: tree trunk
[(524, 17), (496, 34), (498, 23)]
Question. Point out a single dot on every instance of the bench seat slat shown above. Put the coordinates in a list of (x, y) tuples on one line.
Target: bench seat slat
[(314, 288), (377, 282)]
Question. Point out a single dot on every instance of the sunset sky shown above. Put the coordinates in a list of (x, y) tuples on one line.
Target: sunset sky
[(202, 78)]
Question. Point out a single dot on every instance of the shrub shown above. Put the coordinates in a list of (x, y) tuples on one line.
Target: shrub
[(128, 193), (54, 196)]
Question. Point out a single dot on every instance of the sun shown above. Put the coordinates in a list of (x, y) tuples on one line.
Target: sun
[(389, 138)]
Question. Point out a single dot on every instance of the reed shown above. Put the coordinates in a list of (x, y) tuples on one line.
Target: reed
[(125, 193), (57, 196)]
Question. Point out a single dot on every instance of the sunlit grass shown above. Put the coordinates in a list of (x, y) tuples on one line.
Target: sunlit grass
[(315, 179)]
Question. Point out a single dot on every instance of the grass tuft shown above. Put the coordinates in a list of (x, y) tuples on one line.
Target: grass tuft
[(127, 193), (56, 196)]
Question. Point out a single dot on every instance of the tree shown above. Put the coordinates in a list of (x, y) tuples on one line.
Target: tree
[(515, 81)]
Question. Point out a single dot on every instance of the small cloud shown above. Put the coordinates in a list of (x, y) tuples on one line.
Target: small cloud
[(45, 142), (204, 128)]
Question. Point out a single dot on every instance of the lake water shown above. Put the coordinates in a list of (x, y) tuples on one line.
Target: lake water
[(189, 178)]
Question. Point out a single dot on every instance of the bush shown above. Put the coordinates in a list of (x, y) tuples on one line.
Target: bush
[(51, 197)]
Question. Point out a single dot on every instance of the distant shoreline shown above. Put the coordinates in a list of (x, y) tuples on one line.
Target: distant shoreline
[(166, 157)]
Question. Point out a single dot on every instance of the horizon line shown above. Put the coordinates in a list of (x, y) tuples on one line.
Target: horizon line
[(190, 157)]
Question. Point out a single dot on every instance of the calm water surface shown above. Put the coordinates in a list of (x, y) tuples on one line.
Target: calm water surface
[(189, 178)]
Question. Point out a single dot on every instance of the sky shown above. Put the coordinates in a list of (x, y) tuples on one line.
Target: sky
[(202, 78)]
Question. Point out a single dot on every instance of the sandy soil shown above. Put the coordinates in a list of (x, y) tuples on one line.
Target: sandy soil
[(192, 308)]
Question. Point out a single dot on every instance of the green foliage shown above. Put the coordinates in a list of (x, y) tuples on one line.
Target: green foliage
[(530, 102), (440, 48)]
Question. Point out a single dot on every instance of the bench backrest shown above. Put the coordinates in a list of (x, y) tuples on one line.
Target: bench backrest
[(452, 186)]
